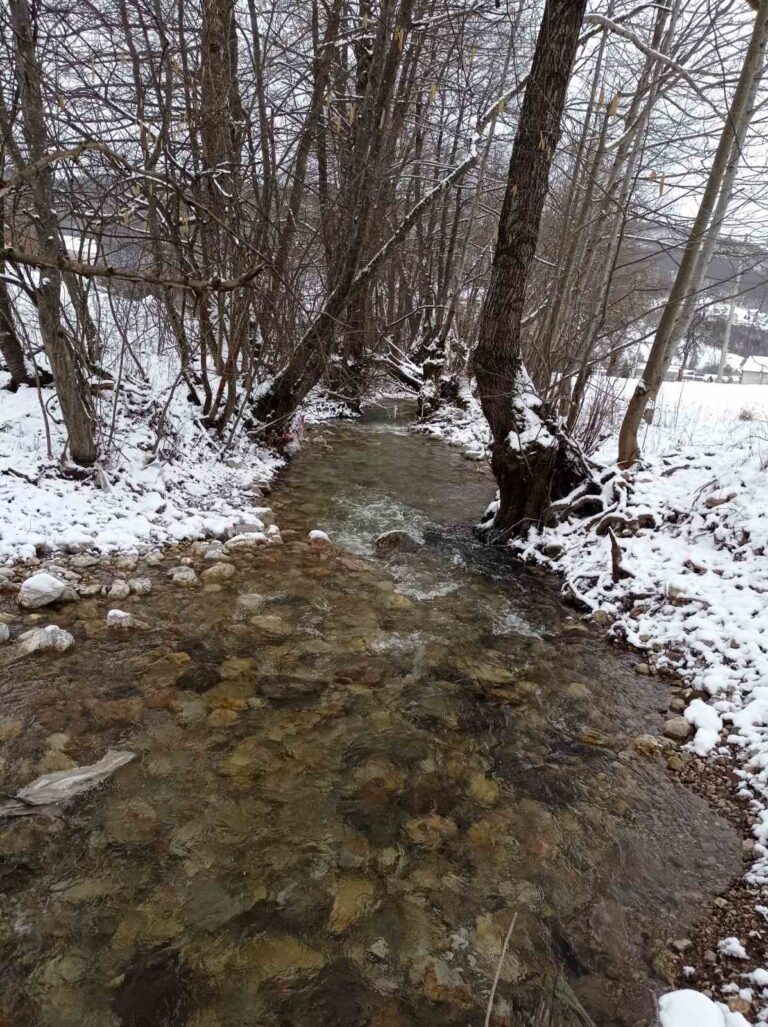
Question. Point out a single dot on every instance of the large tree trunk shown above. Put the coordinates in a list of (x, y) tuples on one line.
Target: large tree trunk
[(529, 456), (700, 243), (70, 382)]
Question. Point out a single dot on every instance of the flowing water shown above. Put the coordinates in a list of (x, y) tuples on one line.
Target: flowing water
[(354, 775)]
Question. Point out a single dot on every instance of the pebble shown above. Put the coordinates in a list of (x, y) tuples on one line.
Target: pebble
[(5, 633), (140, 586)]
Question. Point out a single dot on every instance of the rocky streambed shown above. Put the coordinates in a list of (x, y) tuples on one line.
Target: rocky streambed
[(353, 774)]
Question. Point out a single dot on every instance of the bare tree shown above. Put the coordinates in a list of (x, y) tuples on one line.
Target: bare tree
[(528, 455)]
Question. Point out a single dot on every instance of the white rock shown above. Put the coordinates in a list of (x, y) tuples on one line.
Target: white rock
[(272, 530), (153, 558), (214, 552), (40, 590), (249, 540), (140, 586), (121, 619), (119, 590), (182, 575), (251, 601), (245, 524), (5, 633), (319, 538), (219, 572), (40, 639)]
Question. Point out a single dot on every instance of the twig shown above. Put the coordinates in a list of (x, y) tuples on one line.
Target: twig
[(491, 1000)]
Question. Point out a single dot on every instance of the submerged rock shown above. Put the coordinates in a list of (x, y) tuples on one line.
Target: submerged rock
[(318, 538), (5, 633), (41, 639), (397, 540), (40, 590), (355, 896)]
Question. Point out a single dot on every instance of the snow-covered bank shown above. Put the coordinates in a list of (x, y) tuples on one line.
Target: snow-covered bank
[(147, 492), (692, 527)]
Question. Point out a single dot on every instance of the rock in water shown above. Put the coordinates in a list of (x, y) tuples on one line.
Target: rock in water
[(319, 538), (121, 619), (182, 575), (396, 540), (40, 590), (5, 633), (40, 639), (140, 586), (219, 572)]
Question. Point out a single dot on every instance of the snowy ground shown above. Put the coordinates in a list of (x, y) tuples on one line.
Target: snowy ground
[(163, 477), (696, 597)]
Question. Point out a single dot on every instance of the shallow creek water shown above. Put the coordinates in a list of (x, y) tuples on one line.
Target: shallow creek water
[(353, 774)]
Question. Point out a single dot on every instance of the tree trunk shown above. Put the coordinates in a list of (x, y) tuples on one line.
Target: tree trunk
[(692, 266), (71, 386), (529, 457)]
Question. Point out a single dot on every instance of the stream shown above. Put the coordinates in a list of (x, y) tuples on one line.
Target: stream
[(357, 775)]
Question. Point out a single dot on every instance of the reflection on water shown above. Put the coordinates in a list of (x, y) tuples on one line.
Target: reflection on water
[(353, 773)]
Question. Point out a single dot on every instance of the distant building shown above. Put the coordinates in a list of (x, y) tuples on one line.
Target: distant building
[(754, 371)]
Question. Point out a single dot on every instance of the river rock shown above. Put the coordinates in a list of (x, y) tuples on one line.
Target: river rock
[(219, 572), (250, 602), (246, 540), (678, 729), (355, 896), (40, 590), (83, 561), (430, 831), (182, 576), (126, 561), (120, 589), (318, 538), (133, 821), (140, 586), (396, 540), (121, 619), (5, 633), (41, 639)]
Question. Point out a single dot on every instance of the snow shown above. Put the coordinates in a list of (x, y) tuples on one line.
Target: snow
[(708, 724), (687, 1008), (162, 478), (732, 947)]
